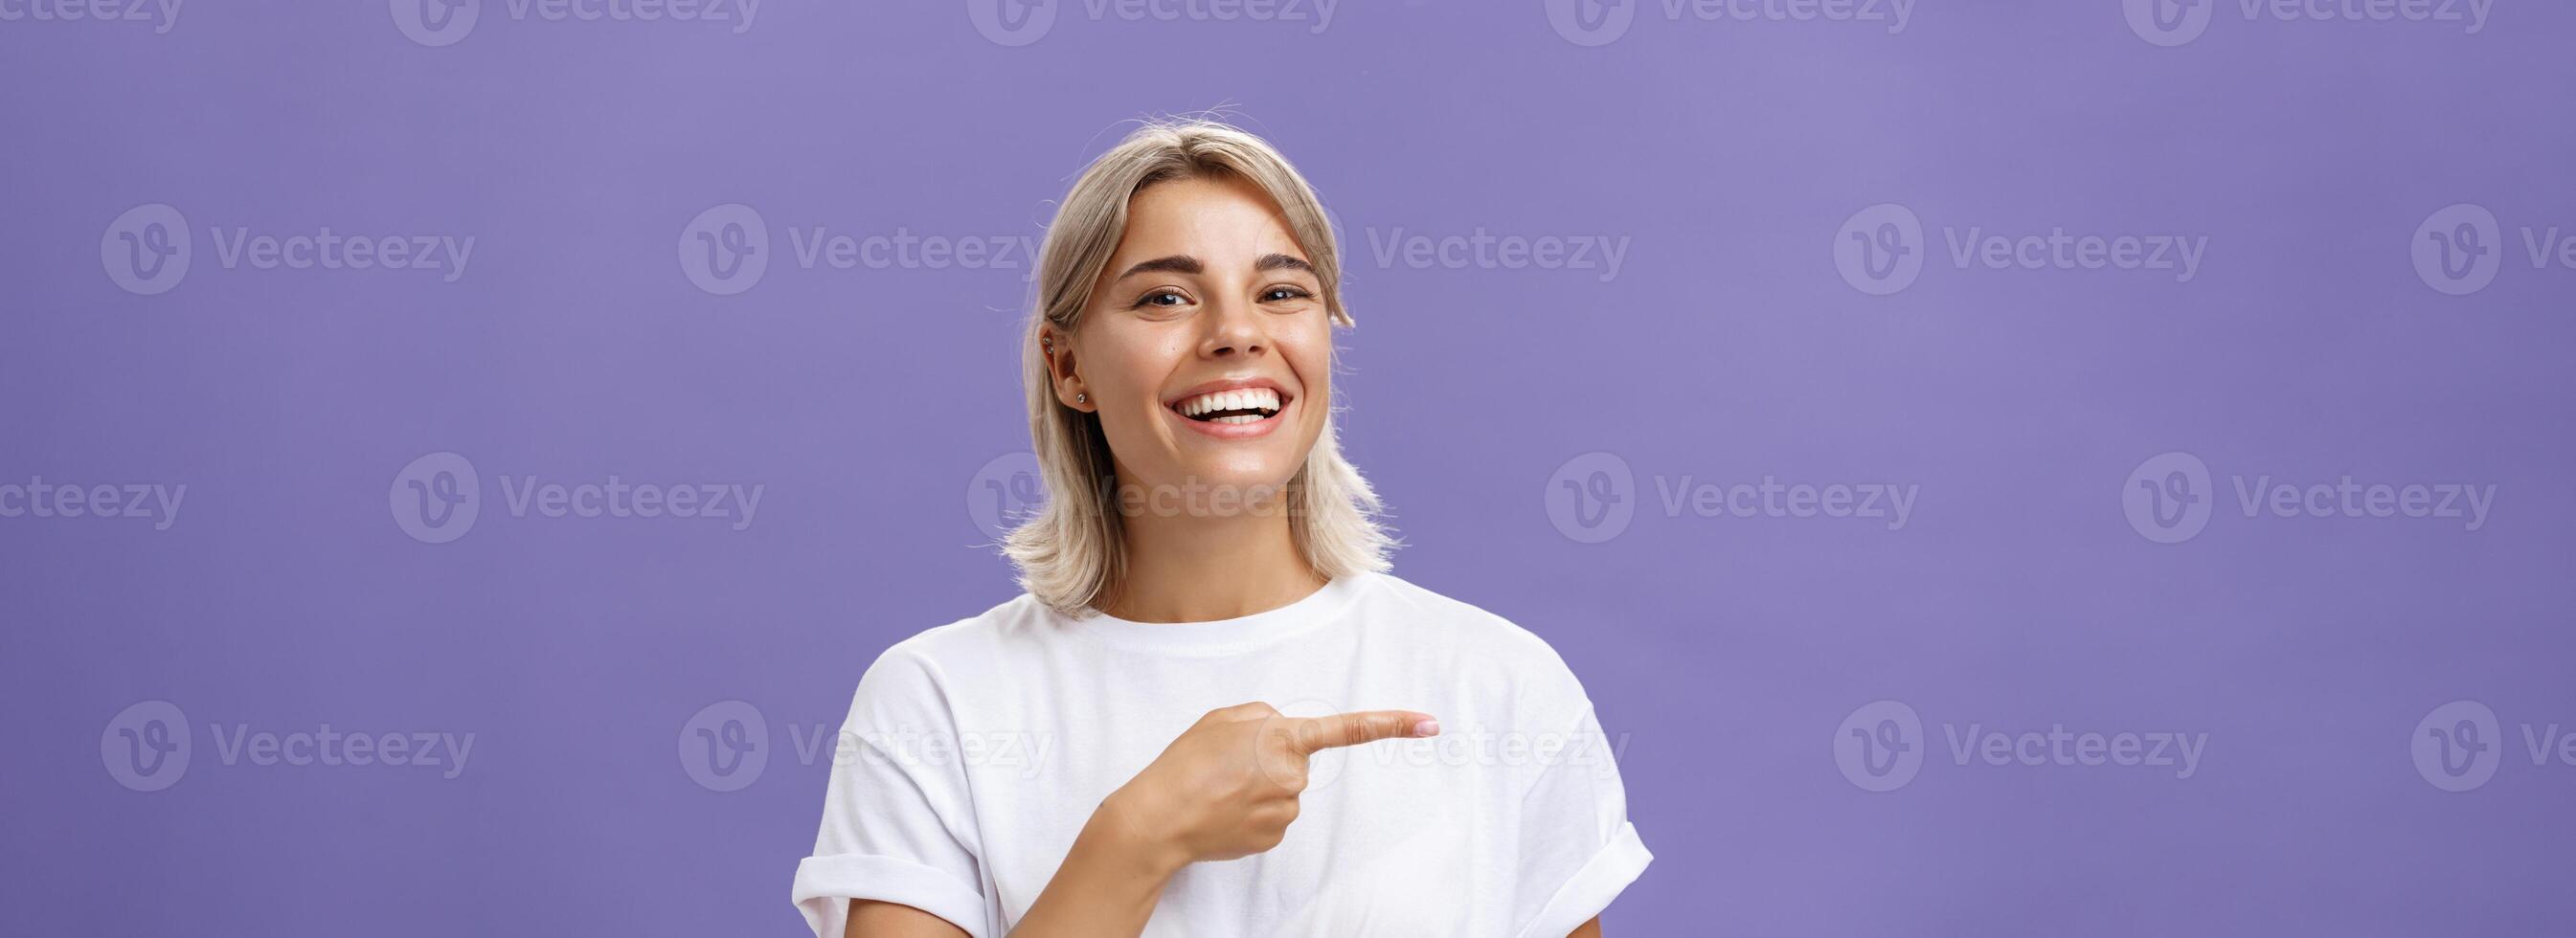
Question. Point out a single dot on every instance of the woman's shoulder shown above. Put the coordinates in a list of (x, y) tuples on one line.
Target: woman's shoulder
[(914, 679), (1480, 636), (970, 638)]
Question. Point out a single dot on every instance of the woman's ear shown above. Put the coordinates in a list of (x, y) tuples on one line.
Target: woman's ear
[(1061, 373)]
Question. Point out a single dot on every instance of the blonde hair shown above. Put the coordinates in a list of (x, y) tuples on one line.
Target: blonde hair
[(1072, 553)]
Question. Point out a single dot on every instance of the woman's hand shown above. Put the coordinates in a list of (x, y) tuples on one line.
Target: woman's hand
[(1228, 786)]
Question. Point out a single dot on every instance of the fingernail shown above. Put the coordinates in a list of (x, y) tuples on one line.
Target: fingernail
[(1427, 728)]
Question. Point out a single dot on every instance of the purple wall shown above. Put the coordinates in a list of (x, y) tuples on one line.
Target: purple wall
[(2299, 246)]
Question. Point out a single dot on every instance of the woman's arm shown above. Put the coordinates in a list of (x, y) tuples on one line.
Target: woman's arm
[(1591, 929), (1107, 886), (1225, 788), (1110, 880), (871, 919)]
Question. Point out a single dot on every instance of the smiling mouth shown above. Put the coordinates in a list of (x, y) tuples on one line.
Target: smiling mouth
[(1239, 406)]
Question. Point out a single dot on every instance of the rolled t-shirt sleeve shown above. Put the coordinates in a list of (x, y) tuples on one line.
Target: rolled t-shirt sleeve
[(897, 826), (1578, 850)]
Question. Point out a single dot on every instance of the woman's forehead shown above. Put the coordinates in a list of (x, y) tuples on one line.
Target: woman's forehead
[(1221, 223)]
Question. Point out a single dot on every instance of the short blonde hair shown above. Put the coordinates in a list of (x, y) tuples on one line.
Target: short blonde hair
[(1072, 553)]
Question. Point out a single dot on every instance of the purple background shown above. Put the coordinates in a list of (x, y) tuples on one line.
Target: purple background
[(285, 595)]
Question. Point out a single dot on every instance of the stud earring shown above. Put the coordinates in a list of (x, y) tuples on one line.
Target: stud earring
[(1082, 398)]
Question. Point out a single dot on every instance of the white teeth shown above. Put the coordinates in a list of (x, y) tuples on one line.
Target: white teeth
[(1239, 399)]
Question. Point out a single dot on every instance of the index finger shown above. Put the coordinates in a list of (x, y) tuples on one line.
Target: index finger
[(1312, 734)]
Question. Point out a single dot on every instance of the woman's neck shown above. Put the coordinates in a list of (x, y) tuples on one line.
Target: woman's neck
[(1201, 569)]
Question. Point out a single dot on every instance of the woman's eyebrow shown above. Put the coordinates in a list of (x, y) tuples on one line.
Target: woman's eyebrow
[(1177, 264), (1185, 264), (1282, 262)]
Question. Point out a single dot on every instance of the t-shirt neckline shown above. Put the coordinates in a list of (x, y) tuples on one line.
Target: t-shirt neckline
[(1221, 636)]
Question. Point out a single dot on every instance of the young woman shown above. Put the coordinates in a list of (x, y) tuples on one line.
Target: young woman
[(1213, 712)]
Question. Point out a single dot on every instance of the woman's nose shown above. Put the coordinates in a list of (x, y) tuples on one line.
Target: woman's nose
[(1234, 328)]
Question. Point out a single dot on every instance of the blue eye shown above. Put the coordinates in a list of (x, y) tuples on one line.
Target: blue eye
[(1151, 299)]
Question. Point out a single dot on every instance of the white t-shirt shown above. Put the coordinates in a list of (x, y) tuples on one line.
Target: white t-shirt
[(975, 752)]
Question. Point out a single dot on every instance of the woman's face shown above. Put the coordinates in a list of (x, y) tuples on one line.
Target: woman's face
[(1206, 349)]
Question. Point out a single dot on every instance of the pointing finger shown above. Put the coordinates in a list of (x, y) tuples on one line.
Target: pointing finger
[(1313, 734)]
